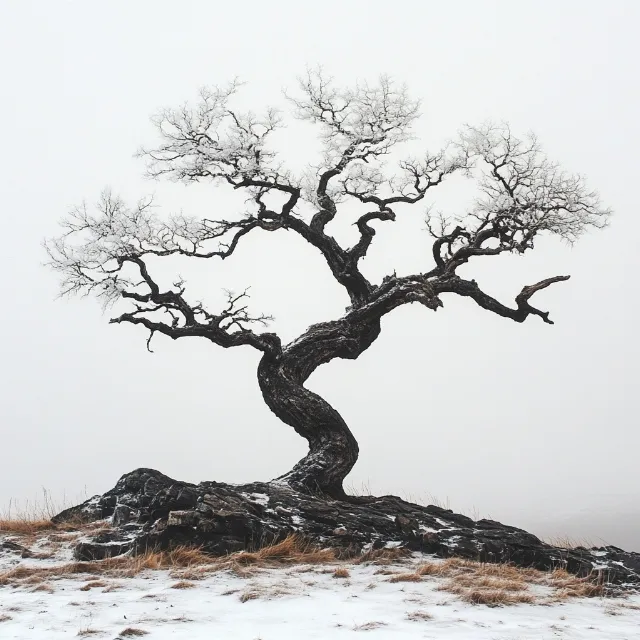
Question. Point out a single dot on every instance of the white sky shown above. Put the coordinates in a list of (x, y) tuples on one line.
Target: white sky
[(525, 423)]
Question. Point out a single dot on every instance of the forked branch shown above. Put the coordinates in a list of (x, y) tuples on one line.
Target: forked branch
[(521, 196), (470, 289)]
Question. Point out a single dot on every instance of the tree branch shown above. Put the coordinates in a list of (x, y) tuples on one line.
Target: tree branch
[(215, 327), (266, 342), (521, 195), (470, 289)]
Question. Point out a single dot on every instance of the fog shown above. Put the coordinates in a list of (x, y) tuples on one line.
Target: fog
[(531, 424)]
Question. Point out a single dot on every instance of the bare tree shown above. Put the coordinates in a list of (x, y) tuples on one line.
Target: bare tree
[(522, 195)]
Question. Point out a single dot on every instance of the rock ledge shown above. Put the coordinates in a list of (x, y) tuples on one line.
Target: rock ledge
[(150, 510)]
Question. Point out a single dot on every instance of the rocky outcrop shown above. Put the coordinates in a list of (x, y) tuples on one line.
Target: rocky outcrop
[(150, 510)]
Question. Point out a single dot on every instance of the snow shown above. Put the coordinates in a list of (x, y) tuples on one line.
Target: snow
[(258, 498), (425, 529), (291, 603)]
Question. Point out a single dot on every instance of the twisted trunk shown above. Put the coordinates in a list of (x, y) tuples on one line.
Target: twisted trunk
[(333, 450)]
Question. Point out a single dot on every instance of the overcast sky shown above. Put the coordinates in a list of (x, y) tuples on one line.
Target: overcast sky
[(526, 423)]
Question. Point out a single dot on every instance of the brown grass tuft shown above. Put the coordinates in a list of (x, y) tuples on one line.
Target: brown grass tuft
[(495, 598), (94, 584), (419, 616), (4, 617), (382, 556), (191, 573), (131, 632), (83, 633), (341, 572), (474, 581), (47, 588), (20, 573), (429, 569), (569, 585), (369, 626), (502, 584), (183, 584), (385, 572), (581, 590), (292, 550), (405, 577), (25, 526), (249, 595)]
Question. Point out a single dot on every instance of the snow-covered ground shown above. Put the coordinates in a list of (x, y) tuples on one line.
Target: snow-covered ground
[(288, 604)]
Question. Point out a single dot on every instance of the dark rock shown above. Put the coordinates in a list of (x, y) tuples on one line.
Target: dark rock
[(407, 526), (87, 551), (123, 514), (151, 511), (8, 545)]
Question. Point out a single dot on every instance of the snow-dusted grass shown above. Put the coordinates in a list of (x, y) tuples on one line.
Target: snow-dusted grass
[(286, 592)]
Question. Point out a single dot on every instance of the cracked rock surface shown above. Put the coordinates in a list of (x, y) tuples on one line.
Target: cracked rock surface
[(150, 510)]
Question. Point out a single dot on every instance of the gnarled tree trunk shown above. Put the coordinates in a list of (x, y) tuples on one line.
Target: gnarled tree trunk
[(333, 450)]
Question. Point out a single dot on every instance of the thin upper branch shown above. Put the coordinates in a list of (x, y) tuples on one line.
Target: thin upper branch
[(228, 328), (359, 125), (521, 195)]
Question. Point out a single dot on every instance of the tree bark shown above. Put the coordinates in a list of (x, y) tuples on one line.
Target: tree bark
[(333, 450)]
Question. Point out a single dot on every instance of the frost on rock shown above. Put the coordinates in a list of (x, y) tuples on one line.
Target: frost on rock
[(259, 498), (155, 511)]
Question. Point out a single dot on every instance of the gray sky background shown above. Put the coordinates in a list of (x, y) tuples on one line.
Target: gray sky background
[(531, 424)]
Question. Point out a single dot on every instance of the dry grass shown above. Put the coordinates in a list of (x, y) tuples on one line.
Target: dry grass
[(382, 556), (385, 572), (479, 583), (505, 584), (4, 617), (471, 581), (25, 527), (47, 588), (29, 528), (131, 632), (83, 633), (33, 517), (94, 584), (30, 519), (191, 573), (183, 584), (568, 585), (292, 550), (188, 563), (120, 566), (369, 626), (249, 595), (419, 616), (429, 569), (33, 573), (495, 597), (567, 542), (405, 577)]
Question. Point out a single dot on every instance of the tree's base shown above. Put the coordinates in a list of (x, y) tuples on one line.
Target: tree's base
[(150, 510)]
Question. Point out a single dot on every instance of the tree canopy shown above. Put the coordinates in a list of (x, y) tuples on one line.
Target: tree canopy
[(521, 196)]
